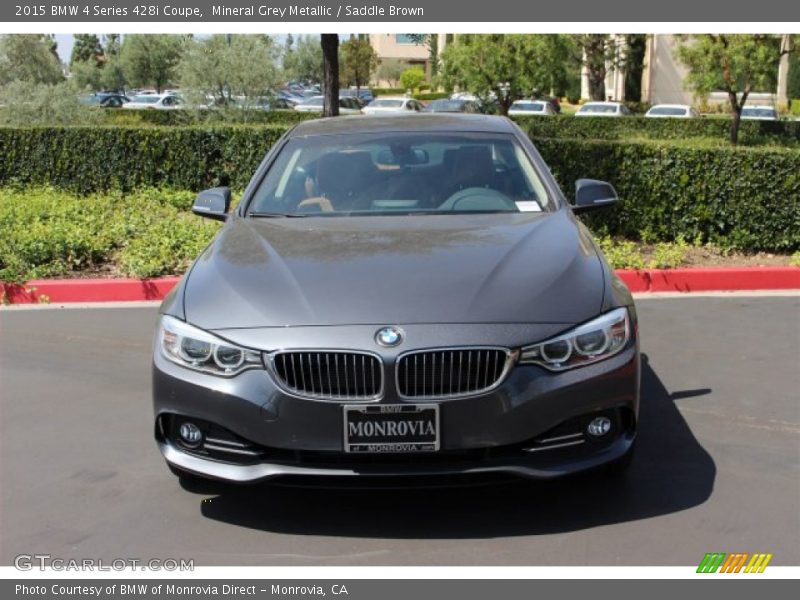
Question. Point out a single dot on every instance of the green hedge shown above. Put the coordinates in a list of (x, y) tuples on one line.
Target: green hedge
[(746, 198), (738, 198), (189, 117), (604, 128), (96, 159)]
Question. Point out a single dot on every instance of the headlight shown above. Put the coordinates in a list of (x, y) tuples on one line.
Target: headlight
[(593, 341), (196, 349)]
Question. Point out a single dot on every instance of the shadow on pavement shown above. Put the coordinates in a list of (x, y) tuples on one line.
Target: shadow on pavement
[(671, 472)]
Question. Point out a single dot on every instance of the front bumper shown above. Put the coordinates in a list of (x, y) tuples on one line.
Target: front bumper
[(497, 432)]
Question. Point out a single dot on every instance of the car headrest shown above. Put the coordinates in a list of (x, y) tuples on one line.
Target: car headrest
[(343, 173)]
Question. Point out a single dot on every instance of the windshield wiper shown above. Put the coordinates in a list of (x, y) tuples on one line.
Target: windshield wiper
[(269, 215)]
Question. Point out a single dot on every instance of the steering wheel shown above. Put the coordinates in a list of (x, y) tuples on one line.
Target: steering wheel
[(478, 198), (320, 201)]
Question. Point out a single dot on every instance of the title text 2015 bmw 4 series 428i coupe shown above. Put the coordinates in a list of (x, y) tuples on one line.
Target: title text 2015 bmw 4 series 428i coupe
[(398, 296)]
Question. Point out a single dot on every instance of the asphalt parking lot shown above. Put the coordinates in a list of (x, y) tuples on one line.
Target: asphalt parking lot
[(718, 467)]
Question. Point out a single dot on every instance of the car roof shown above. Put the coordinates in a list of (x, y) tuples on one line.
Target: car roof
[(416, 122), (602, 103), (670, 106)]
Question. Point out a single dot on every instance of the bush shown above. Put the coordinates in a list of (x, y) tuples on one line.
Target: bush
[(427, 97), (49, 233), (412, 78), (742, 198), (388, 91), (785, 133), (95, 159), (216, 116), (736, 198)]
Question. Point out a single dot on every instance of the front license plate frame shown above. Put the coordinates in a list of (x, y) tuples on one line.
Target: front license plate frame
[(418, 440)]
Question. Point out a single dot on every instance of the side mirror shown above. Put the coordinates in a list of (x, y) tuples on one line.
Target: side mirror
[(213, 203), (591, 194)]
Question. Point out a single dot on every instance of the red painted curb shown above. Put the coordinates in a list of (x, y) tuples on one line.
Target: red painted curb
[(649, 280), (88, 290), (719, 279)]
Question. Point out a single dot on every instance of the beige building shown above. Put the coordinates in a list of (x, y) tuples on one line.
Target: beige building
[(400, 46)]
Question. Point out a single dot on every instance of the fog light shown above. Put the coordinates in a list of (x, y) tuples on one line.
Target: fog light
[(599, 426), (190, 434)]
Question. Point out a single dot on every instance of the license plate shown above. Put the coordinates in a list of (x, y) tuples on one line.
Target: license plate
[(386, 428)]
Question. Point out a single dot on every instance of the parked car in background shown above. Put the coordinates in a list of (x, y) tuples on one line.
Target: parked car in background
[(365, 95), (106, 100), (277, 103), (348, 105), (672, 111), (603, 109), (531, 107), (155, 101), (392, 105), (759, 113), (459, 105)]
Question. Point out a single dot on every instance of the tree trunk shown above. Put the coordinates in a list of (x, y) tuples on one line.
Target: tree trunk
[(330, 58), (597, 85), (736, 120)]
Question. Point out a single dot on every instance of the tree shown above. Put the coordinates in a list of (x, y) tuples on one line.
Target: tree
[(151, 59), (390, 70), (303, 60), (597, 55), (359, 62), (431, 42), (226, 66), (793, 85), (505, 67), (412, 78), (734, 64), (87, 47), (29, 58), (329, 43)]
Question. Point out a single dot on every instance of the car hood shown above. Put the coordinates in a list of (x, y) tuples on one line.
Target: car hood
[(500, 268)]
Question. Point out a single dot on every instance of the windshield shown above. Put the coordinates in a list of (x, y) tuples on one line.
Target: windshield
[(530, 106), (146, 99), (598, 108), (446, 105), (400, 173), (668, 111), (752, 111), (386, 104)]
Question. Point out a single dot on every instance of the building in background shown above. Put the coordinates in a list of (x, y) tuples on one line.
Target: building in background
[(406, 48)]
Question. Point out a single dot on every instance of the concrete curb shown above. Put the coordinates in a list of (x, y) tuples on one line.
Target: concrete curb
[(649, 280)]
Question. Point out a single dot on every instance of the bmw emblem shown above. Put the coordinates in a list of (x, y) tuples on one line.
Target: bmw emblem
[(389, 337)]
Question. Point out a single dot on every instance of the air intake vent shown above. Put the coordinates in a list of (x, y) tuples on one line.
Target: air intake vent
[(451, 372), (329, 375)]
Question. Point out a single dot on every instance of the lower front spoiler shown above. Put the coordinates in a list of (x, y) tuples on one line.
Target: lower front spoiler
[(533, 468)]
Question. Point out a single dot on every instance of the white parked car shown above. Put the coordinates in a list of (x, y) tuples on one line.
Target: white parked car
[(530, 107), (392, 105), (759, 113), (603, 109), (347, 105), (672, 111), (155, 101)]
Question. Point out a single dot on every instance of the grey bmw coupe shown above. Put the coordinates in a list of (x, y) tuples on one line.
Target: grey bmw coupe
[(398, 296)]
